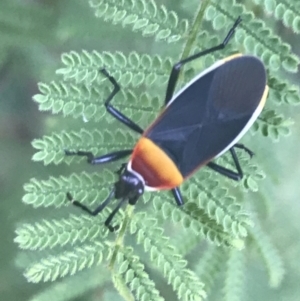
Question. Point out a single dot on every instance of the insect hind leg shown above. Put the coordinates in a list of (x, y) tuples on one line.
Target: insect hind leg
[(234, 175), (177, 67)]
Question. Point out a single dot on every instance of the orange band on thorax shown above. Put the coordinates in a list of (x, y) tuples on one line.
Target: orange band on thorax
[(155, 166)]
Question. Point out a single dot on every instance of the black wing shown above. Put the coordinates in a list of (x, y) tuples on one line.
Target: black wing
[(210, 113)]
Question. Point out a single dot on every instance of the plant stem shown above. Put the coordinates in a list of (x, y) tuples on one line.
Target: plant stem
[(120, 238), (195, 29)]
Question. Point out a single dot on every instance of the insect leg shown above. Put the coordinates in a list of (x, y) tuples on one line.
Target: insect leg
[(113, 111), (99, 208), (111, 216), (178, 196), (237, 176), (246, 149), (86, 209), (177, 67), (102, 159)]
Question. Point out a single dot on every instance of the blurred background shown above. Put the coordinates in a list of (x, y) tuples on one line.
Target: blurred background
[(33, 35)]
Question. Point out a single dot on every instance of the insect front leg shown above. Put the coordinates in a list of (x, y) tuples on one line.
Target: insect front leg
[(113, 111), (91, 159)]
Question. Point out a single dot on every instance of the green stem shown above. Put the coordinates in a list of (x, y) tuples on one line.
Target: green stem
[(120, 238), (195, 29)]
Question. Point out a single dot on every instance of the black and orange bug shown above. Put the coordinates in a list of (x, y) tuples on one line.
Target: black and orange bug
[(201, 122)]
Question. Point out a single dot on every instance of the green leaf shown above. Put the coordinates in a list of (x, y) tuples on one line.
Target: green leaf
[(210, 13), (163, 34), (218, 22)]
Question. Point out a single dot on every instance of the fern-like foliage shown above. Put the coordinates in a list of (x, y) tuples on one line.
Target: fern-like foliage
[(273, 262), (132, 277), (214, 210), (72, 287), (255, 36), (273, 125), (287, 11), (51, 148), (234, 278), (210, 265), (66, 263), (166, 258), (53, 233), (132, 70), (52, 192), (144, 16), (192, 218), (252, 172)]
